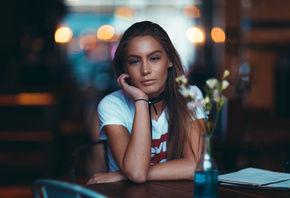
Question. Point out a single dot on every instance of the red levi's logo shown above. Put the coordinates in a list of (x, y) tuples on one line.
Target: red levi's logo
[(158, 149)]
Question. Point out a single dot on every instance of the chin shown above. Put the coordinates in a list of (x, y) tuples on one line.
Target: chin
[(153, 94)]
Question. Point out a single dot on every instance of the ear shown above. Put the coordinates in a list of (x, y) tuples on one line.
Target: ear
[(170, 64), (125, 69)]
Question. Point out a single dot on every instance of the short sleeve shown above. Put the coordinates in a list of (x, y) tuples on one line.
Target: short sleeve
[(111, 112), (199, 111)]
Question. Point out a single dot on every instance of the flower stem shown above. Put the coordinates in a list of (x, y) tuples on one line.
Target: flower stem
[(216, 120)]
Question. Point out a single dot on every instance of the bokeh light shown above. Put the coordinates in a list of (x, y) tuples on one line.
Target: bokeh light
[(34, 99), (191, 12), (195, 35), (125, 12), (105, 32), (37, 44), (218, 35), (74, 46), (88, 42), (63, 35)]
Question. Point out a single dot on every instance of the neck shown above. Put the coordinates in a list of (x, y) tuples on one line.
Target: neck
[(154, 101), (158, 98)]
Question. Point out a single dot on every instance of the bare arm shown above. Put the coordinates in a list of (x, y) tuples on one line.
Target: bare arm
[(132, 153), (171, 170), (182, 168)]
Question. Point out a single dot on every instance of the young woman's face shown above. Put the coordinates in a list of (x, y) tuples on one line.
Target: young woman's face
[(147, 63)]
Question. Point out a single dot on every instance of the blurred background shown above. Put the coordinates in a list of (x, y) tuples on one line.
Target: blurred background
[(55, 68)]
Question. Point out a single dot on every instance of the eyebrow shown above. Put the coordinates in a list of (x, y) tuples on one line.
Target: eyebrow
[(150, 54)]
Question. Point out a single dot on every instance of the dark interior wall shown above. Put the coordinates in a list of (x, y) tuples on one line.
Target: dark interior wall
[(32, 141), (27, 41)]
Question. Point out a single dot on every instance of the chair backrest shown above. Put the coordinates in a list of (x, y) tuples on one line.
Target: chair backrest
[(50, 188), (86, 147)]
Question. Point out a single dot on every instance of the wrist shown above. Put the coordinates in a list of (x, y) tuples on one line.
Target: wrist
[(141, 96), (141, 99), (120, 176)]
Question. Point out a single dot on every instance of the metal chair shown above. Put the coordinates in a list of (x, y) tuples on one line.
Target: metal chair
[(86, 147), (50, 188)]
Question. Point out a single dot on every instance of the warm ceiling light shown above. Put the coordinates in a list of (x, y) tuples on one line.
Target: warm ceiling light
[(63, 35), (218, 35), (195, 35), (105, 32)]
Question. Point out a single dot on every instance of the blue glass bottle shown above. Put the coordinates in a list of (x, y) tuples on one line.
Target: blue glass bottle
[(206, 173)]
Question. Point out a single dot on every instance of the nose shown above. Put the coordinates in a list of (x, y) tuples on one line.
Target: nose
[(145, 68)]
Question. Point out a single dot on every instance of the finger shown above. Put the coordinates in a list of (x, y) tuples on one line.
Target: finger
[(90, 181), (121, 80), (123, 77)]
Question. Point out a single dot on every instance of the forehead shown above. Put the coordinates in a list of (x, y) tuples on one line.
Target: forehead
[(143, 45)]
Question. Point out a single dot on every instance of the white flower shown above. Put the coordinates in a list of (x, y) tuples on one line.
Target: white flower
[(192, 94), (226, 73), (211, 83), (183, 90), (216, 95), (193, 105), (205, 101), (213, 102), (225, 84), (182, 79), (187, 93), (207, 112)]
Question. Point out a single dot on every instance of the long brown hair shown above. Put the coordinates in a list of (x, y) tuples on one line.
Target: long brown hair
[(178, 116)]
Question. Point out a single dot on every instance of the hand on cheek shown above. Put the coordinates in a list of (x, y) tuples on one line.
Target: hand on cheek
[(131, 90)]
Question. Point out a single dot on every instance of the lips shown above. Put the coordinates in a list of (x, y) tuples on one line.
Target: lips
[(148, 82)]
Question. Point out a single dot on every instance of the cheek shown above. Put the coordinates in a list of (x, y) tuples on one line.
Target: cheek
[(133, 78), (164, 72)]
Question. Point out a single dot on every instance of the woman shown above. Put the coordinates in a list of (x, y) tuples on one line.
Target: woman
[(150, 132)]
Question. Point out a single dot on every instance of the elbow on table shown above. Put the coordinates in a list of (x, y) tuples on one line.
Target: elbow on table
[(191, 176), (137, 176)]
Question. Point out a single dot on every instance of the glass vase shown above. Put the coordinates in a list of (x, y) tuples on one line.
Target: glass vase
[(206, 172)]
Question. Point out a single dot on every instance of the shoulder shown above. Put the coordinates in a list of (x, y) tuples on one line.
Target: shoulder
[(197, 91), (115, 100), (198, 111), (114, 97)]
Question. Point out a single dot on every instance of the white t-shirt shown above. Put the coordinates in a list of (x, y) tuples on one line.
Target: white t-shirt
[(118, 109)]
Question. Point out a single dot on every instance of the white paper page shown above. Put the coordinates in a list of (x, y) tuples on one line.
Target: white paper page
[(284, 184), (254, 176)]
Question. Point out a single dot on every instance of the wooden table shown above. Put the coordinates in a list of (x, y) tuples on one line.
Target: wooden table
[(176, 189)]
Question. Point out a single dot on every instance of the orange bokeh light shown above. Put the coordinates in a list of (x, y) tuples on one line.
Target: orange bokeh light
[(34, 99), (218, 35), (105, 32), (63, 35)]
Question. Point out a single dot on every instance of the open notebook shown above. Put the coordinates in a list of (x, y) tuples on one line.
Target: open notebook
[(256, 178)]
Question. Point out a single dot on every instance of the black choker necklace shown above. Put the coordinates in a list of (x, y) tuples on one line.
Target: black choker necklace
[(153, 101), (156, 100)]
